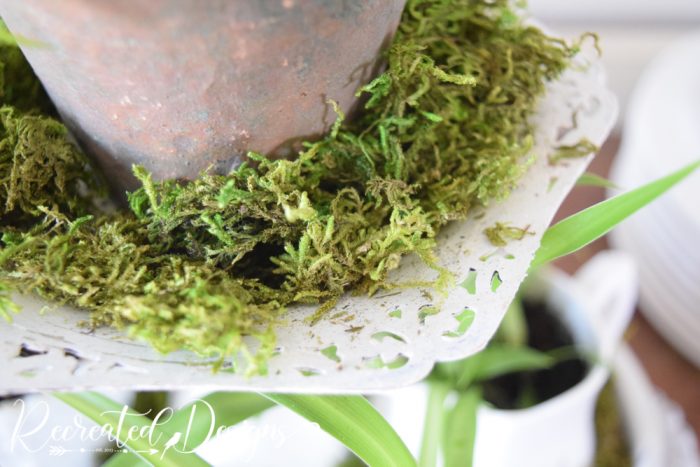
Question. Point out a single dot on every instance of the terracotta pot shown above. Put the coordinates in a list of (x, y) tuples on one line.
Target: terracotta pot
[(182, 85)]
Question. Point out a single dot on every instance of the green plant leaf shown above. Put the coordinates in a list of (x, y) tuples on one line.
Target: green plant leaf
[(582, 228), (229, 408), (157, 450), (513, 328), (497, 360), (7, 38), (355, 423), (591, 179), (460, 429), (433, 428)]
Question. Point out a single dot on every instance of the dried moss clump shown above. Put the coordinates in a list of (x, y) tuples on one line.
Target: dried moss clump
[(199, 265)]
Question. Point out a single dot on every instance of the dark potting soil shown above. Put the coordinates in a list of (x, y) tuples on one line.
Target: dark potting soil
[(524, 389)]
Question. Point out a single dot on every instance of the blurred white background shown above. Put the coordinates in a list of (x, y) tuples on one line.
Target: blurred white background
[(632, 32)]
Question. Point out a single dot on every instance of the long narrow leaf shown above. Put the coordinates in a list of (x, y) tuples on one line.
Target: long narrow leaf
[(355, 423), (229, 408), (434, 423), (513, 329), (591, 179), (157, 450), (497, 360), (582, 228), (460, 432)]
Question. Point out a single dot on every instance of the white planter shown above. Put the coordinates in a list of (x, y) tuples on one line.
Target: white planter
[(596, 307), (657, 430)]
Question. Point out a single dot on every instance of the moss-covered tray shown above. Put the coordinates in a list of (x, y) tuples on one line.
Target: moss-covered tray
[(364, 343)]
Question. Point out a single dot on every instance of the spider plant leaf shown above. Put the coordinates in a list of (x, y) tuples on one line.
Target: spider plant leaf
[(591, 179), (353, 421), (460, 429), (434, 425), (497, 360), (580, 229)]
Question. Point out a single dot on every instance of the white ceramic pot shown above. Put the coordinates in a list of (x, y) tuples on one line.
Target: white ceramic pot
[(657, 430), (596, 306)]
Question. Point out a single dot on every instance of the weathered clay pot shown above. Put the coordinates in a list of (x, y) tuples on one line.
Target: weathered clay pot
[(182, 85)]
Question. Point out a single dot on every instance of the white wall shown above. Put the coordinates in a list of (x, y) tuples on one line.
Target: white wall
[(624, 11), (632, 32)]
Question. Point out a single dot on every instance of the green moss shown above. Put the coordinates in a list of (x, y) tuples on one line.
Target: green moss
[(613, 449), (18, 86), (40, 167), (581, 149), (200, 265), (500, 234)]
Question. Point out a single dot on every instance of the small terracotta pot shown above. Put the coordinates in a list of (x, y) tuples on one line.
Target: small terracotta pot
[(183, 85)]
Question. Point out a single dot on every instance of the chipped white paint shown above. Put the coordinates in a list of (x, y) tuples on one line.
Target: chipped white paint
[(366, 344)]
